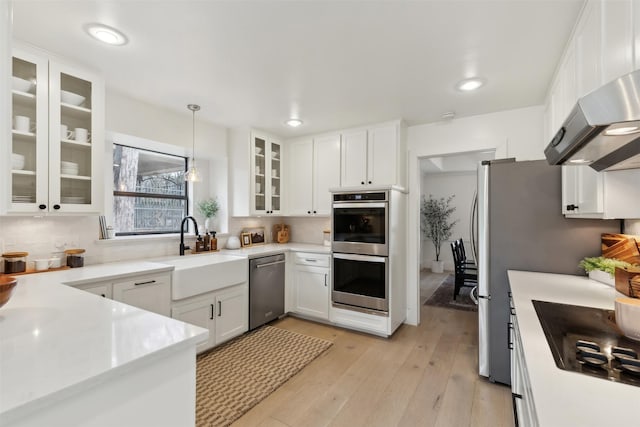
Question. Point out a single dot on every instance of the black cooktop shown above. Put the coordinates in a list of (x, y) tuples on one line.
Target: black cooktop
[(572, 331)]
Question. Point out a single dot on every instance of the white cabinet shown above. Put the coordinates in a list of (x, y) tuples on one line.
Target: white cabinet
[(314, 168), (373, 156), (232, 318), (100, 289), (312, 285), (152, 293), (588, 46), (60, 174), (520, 384), (224, 313), (617, 39), (256, 173)]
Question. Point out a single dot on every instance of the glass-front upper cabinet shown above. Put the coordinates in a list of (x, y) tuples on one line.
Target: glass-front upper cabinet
[(266, 160), (29, 133), (57, 137)]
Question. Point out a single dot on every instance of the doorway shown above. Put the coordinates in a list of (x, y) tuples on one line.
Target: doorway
[(444, 176)]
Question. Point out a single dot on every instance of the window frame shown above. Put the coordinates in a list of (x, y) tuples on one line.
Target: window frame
[(114, 193)]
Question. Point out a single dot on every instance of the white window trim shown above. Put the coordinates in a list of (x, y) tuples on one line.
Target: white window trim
[(144, 144)]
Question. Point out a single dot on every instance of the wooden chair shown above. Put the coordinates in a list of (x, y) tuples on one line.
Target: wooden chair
[(465, 275)]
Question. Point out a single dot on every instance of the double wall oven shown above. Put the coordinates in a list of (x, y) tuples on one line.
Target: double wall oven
[(360, 248)]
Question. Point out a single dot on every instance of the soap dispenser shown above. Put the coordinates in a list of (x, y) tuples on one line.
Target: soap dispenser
[(214, 241)]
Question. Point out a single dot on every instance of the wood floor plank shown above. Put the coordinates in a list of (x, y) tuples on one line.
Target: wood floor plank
[(422, 376)]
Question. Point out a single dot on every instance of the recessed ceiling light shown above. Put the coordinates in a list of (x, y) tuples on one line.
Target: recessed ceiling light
[(294, 123), (468, 85), (579, 161), (106, 34)]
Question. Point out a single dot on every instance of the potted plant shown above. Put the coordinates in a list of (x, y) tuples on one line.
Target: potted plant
[(602, 269), (436, 225), (208, 208)]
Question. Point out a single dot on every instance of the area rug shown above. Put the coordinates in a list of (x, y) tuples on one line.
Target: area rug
[(236, 376), (443, 296)]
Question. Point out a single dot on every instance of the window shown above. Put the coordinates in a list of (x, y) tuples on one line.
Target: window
[(149, 191)]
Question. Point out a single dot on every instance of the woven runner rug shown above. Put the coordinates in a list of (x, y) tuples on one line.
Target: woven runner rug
[(443, 296), (236, 376)]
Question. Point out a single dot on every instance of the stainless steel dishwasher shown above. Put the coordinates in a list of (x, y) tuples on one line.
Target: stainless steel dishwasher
[(266, 289)]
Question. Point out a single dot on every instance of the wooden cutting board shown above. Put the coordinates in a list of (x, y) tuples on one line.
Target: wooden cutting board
[(623, 247)]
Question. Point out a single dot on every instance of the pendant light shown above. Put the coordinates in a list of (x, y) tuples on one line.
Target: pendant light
[(193, 175)]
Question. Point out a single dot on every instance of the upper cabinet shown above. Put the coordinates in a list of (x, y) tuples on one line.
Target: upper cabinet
[(257, 173), (602, 48), (314, 168), (373, 156), (57, 137)]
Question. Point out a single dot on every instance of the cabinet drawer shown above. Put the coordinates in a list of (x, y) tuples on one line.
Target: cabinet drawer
[(317, 260)]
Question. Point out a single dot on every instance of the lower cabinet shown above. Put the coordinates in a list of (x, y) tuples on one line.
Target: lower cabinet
[(223, 312), (100, 289), (151, 293), (524, 408), (312, 285)]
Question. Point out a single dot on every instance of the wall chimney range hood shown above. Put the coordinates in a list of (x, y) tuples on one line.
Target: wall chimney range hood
[(603, 128)]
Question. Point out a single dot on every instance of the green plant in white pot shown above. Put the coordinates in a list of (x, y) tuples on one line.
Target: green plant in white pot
[(602, 269), (436, 225), (208, 208)]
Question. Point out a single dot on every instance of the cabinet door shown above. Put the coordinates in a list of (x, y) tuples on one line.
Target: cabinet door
[(259, 167), (326, 172), (151, 293), (29, 176), (274, 173), (382, 155), (589, 49), (570, 190), (590, 190), (312, 291), (232, 317), (354, 158), (200, 312), (300, 177), (617, 39), (100, 289), (76, 99)]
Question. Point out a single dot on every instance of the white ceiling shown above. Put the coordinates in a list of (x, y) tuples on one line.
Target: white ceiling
[(335, 64)]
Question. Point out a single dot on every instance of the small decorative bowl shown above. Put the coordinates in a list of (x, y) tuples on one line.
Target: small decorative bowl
[(7, 283)]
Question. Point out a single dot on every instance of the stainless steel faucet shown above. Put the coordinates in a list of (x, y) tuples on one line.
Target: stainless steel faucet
[(195, 224)]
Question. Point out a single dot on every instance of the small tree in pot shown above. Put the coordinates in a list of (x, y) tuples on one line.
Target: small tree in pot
[(208, 208), (436, 225)]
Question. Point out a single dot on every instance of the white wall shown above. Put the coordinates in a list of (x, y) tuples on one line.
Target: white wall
[(515, 133), (462, 185)]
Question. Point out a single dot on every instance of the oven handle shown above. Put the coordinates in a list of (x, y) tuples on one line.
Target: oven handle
[(366, 258), (360, 205)]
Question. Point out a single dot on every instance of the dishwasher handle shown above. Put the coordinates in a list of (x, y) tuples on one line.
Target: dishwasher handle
[(268, 264)]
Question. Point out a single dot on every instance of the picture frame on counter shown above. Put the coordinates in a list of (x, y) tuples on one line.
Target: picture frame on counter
[(257, 235), (245, 239)]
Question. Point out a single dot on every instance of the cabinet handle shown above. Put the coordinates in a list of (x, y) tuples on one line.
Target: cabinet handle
[(212, 308), (308, 212), (369, 182), (103, 295), (56, 207), (572, 207), (516, 395), (315, 212), (219, 308), (42, 207), (311, 260), (148, 282), (509, 328), (362, 182), (325, 280)]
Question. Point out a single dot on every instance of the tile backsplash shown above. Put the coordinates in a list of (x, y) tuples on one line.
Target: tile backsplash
[(43, 236)]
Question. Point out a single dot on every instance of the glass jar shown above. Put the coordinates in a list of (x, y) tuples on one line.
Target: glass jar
[(75, 257), (14, 262)]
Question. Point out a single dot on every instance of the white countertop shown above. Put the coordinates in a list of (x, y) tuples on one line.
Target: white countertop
[(564, 398), (275, 248), (56, 340)]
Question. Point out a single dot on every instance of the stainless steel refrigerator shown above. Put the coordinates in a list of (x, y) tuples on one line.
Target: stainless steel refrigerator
[(521, 227)]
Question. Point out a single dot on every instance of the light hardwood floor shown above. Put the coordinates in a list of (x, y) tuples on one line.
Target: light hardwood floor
[(421, 376)]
